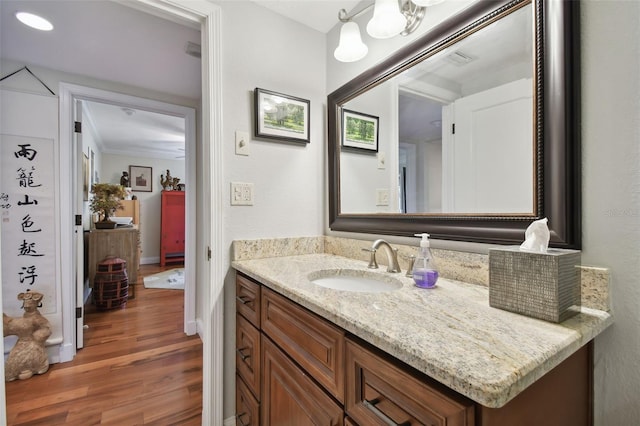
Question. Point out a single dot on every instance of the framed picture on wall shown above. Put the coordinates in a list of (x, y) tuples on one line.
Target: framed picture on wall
[(359, 131), (141, 178), (281, 117)]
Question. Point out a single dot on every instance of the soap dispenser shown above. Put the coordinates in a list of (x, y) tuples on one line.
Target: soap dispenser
[(425, 273)]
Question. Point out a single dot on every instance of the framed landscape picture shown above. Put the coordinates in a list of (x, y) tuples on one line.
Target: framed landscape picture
[(281, 117), (359, 131), (140, 178)]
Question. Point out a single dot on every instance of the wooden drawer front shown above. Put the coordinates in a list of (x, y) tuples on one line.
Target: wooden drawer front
[(312, 342), (247, 406), (380, 393), (290, 397), (248, 354), (248, 299)]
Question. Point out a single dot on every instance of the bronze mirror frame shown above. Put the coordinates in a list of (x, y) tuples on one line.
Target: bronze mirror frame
[(557, 131)]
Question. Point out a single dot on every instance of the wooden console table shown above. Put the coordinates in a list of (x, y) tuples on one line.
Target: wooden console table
[(119, 242)]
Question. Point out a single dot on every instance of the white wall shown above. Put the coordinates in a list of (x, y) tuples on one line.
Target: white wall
[(360, 176), (262, 49), (112, 167), (610, 43), (610, 50)]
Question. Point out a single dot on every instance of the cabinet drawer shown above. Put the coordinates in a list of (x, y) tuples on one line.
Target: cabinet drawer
[(311, 341), (381, 393), (248, 299), (247, 406), (290, 397), (248, 354)]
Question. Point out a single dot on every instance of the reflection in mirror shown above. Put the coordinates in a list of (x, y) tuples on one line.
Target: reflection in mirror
[(456, 130), (507, 151)]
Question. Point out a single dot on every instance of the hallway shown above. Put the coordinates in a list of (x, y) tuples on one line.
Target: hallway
[(137, 367)]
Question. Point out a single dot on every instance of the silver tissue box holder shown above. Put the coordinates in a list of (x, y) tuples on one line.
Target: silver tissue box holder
[(539, 285)]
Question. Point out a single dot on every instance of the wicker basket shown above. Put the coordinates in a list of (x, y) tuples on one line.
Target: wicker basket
[(539, 285), (111, 284)]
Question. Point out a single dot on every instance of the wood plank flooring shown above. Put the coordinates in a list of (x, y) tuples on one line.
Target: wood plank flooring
[(137, 368)]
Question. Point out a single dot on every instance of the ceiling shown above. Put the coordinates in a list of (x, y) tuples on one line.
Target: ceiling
[(107, 40), (321, 15)]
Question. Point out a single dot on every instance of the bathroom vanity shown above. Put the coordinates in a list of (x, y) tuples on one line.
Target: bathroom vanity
[(306, 354)]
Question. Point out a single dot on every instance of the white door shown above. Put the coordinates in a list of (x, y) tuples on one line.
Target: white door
[(78, 197), (490, 125)]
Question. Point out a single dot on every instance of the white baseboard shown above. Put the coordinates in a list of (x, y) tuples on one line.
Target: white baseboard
[(150, 260), (230, 421), (200, 328), (191, 328), (66, 353)]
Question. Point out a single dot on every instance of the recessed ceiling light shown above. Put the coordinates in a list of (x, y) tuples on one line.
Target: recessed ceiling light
[(34, 21)]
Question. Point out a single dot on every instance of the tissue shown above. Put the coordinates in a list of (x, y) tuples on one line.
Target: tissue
[(536, 237)]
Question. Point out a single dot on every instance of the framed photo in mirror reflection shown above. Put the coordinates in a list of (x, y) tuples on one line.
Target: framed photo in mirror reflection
[(359, 131)]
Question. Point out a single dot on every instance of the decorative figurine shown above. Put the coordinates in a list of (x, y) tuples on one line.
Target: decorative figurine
[(169, 183), (28, 356), (124, 179)]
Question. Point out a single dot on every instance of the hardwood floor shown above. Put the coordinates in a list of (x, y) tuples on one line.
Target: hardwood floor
[(137, 367)]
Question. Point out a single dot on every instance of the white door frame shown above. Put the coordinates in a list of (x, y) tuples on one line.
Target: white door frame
[(210, 275), (70, 94)]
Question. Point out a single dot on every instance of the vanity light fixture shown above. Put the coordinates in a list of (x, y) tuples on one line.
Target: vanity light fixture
[(351, 47), (34, 21), (390, 18)]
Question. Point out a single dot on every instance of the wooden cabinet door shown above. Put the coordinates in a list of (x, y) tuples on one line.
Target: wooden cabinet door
[(313, 342), (381, 393), (290, 397), (247, 406), (248, 354)]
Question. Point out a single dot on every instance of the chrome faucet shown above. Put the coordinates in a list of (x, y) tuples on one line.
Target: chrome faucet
[(392, 255)]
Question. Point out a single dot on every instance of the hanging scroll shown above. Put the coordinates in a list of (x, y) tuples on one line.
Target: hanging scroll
[(27, 206)]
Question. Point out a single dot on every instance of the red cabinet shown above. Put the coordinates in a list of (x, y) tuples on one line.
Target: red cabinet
[(173, 225)]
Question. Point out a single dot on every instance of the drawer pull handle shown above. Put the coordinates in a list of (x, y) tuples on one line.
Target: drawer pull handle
[(371, 405), (243, 356), (244, 300), (239, 417)]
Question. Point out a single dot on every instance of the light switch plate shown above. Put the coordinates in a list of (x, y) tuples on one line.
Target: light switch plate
[(241, 194), (381, 160), (382, 197), (242, 143)]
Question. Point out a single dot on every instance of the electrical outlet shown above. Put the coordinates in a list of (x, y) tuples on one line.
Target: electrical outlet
[(381, 161), (382, 197), (241, 194), (242, 143)]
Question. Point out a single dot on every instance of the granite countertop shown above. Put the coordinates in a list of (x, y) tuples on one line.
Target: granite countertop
[(449, 333)]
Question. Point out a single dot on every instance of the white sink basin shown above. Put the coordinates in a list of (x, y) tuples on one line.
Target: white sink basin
[(355, 280)]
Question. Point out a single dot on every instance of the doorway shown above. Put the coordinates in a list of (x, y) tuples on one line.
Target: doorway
[(70, 95), (210, 251)]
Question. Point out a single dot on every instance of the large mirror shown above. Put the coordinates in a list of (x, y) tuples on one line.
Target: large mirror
[(470, 133)]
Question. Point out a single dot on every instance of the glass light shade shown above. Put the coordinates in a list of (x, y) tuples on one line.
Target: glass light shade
[(387, 19), (426, 3), (350, 48), (34, 21)]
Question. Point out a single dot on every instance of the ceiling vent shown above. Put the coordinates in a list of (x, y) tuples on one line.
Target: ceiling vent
[(459, 58)]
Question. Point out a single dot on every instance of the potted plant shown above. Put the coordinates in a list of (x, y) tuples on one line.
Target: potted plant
[(105, 201)]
